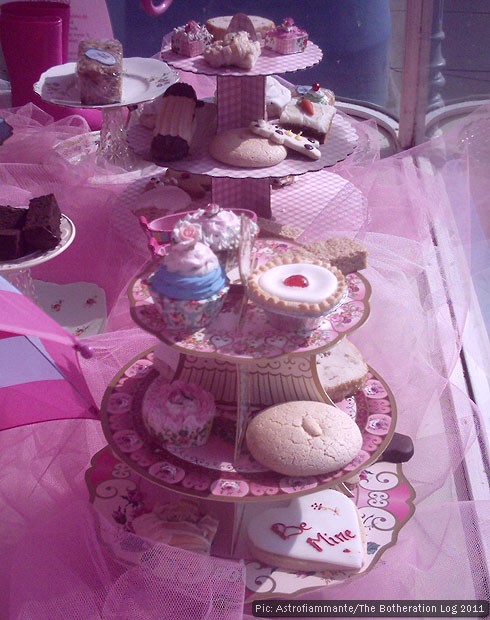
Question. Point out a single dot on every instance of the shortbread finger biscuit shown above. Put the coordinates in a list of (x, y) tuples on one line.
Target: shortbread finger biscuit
[(342, 370), (346, 254)]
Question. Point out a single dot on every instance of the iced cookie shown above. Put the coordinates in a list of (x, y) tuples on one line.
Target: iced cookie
[(303, 438), (238, 147), (316, 532), (294, 141)]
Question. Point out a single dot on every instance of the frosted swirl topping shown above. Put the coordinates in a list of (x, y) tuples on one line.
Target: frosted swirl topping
[(299, 282), (190, 258), (220, 228), (190, 271)]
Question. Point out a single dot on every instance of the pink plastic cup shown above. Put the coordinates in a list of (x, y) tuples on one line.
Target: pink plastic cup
[(39, 9)]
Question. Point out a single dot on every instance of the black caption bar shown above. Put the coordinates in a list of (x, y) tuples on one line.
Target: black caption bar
[(368, 609)]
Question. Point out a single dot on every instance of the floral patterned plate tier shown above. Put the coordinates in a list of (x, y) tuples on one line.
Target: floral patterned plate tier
[(384, 498), (255, 339), (211, 471)]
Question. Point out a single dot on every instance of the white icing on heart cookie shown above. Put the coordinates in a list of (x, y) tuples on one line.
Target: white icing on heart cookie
[(300, 282), (318, 531)]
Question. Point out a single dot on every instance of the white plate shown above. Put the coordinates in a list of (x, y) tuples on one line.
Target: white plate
[(144, 79), (37, 258), (80, 307)]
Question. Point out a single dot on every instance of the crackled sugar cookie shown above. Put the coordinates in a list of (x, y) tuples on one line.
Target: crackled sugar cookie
[(303, 438), (319, 531), (238, 147)]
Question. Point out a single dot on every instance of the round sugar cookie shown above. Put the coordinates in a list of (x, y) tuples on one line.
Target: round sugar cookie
[(303, 438), (239, 147)]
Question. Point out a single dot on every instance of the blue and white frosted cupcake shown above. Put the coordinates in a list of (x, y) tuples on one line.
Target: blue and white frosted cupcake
[(190, 286)]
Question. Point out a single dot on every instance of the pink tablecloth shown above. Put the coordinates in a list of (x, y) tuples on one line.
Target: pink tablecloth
[(52, 563)]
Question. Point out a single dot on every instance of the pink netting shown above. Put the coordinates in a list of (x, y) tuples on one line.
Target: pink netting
[(420, 228)]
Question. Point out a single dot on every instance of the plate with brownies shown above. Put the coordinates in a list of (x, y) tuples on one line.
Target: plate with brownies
[(33, 234), (138, 81)]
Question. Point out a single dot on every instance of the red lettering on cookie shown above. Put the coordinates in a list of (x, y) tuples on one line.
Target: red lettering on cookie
[(286, 531), (337, 539)]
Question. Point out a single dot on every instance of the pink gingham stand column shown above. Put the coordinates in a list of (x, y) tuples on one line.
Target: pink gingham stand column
[(241, 100)]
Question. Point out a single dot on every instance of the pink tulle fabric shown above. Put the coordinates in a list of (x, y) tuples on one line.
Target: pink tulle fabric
[(53, 564)]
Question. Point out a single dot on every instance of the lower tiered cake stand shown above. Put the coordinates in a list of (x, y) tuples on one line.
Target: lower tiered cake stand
[(132, 474)]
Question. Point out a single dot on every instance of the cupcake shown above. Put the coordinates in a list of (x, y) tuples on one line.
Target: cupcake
[(286, 38), (190, 285), (296, 290), (220, 230), (178, 413), (191, 39)]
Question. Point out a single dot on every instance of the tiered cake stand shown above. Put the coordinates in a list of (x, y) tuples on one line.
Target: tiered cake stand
[(247, 365), (241, 100)]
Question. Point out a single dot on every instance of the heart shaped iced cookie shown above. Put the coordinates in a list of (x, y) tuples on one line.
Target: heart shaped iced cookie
[(316, 532)]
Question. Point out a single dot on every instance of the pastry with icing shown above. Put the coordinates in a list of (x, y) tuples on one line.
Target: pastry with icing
[(191, 39), (286, 38), (236, 49), (320, 531), (178, 413), (296, 290), (303, 438), (175, 123), (189, 286), (312, 119), (277, 96)]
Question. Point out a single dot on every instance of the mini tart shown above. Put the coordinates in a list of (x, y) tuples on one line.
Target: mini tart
[(297, 284)]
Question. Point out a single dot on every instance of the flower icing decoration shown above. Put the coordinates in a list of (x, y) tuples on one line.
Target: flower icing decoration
[(187, 232)]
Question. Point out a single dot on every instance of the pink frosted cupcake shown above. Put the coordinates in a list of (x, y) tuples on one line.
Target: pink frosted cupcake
[(190, 286), (178, 413), (191, 39), (220, 230), (286, 38)]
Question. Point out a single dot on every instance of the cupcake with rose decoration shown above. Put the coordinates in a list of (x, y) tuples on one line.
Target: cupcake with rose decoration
[(189, 286), (178, 414), (219, 229)]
